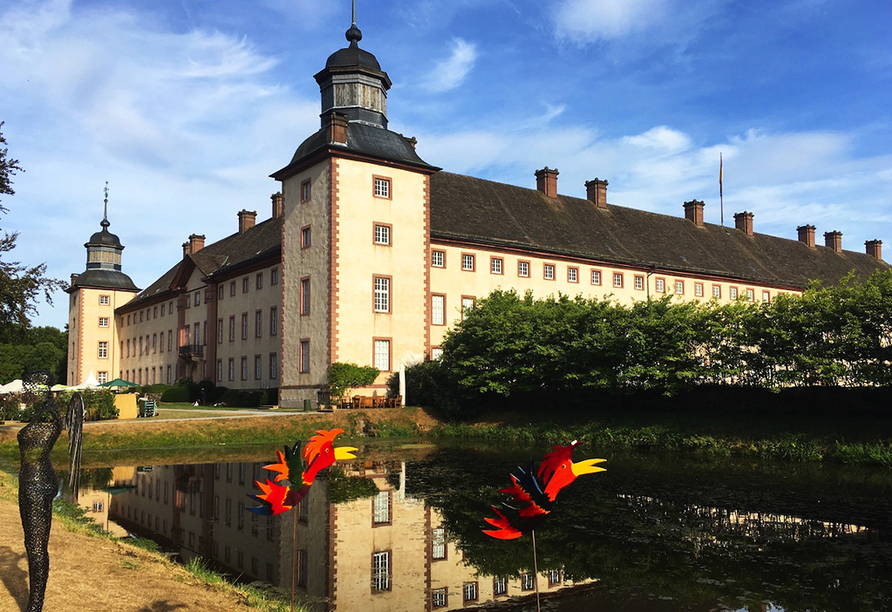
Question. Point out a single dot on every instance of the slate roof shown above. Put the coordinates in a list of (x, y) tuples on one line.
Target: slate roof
[(221, 258), (476, 210), (103, 279), (365, 140)]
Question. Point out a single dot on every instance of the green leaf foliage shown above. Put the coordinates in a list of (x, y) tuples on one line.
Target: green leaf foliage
[(342, 377), (510, 345)]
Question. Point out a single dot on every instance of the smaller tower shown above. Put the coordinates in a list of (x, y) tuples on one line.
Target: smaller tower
[(94, 295)]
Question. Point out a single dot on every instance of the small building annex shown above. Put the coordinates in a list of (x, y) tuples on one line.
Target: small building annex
[(370, 254)]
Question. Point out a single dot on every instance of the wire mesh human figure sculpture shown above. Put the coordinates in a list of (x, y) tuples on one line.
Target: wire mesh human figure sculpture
[(38, 483)]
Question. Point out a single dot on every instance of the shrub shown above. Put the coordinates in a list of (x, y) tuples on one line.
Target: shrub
[(342, 377), (270, 397), (175, 395), (240, 398)]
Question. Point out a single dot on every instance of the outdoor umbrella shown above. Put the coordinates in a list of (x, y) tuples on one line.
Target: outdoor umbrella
[(119, 382)]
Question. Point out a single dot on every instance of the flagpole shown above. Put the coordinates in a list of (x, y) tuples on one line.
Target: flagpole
[(721, 199)]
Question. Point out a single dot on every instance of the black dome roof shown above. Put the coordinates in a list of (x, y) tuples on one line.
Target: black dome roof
[(352, 56), (104, 237)]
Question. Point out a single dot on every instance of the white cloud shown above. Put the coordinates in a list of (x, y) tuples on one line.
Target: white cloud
[(660, 138), (593, 20), (449, 73)]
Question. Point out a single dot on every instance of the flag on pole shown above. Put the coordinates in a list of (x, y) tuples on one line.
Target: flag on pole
[(721, 199)]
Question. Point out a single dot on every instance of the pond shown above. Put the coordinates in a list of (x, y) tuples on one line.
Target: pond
[(652, 533)]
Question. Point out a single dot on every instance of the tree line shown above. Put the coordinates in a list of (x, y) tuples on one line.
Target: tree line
[(512, 345)]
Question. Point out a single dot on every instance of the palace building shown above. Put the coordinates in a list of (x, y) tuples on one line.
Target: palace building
[(370, 254)]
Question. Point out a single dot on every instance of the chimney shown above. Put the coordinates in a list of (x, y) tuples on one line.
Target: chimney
[(744, 222), (596, 191), (278, 204), (246, 220), (335, 126), (546, 181), (693, 212), (875, 249), (196, 243), (833, 240), (807, 235)]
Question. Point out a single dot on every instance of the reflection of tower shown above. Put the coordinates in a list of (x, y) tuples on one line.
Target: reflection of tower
[(94, 295)]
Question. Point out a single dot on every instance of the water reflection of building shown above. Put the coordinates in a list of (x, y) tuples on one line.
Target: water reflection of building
[(388, 552), (741, 522)]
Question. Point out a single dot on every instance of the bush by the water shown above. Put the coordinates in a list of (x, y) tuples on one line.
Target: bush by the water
[(513, 346)]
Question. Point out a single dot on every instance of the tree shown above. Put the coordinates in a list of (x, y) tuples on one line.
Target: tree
[(20, 285)]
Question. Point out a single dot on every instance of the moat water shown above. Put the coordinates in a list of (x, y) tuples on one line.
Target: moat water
[(651, 533)]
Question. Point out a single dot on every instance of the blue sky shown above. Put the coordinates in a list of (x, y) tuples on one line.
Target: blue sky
[(185, 108)]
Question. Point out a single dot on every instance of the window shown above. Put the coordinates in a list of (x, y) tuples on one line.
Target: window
[(305, 295), (232, 328), (698, 289), (245, 285), (467, 303), (128, 319), (220, 293), (273, 320), (382, 294), (499, 585), (527, 582), (244, 326), (382, 187), (639, 282), (679, 287), (467, 262), (548, 272), (436, 352), (274, 276), (305, 192), (438, 598), (197, 299), (168, 375), (219, 370), (161, 342), (438, 309), (304, 356), (766, 296), (382, 354), (103, 350), (438, 259), (554, 577), (305, 238), (596, 277), (102, 377), (495, 265), (750, 295), (381, 571), (155, 312), (273, 366), (258, 280), (219, 331), (716, 291), (231, 368), (438, 544), (258, 368), (523, 269), (244, 368), (155, 342), (232, 289), (104, 300), (381, 508), (618, 279), (258, 324), (103, 321), (382, 234), (732, 292), (469, 591), (572, 275)]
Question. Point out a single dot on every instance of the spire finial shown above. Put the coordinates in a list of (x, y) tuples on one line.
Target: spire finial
[(353, 34), (105, 222)]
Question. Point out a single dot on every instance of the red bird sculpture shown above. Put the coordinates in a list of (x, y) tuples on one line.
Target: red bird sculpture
[(533, 495), (318, 454)]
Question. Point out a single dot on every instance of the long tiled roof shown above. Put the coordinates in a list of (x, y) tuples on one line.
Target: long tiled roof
[(475, 210), (223, 257)]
